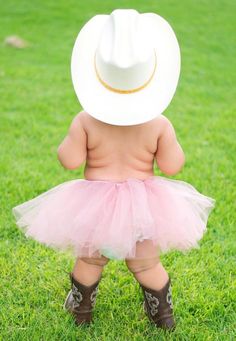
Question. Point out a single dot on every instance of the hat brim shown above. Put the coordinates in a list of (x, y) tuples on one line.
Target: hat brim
[(133, 108)]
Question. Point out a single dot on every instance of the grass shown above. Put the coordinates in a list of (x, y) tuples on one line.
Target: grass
[(38, 103)]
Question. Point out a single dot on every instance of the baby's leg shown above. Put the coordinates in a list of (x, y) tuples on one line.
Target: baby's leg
[(88, 270), (146, 267)]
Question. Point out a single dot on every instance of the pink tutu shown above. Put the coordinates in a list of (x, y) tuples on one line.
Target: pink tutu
[(103, 217)]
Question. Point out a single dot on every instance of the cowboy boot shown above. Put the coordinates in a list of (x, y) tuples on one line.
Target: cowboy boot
[(81, 300), (158, 306)]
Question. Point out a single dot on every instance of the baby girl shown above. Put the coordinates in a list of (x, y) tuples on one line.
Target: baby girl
[(125, 69)]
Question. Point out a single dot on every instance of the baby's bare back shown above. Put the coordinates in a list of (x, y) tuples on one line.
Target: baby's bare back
[(120, 152)]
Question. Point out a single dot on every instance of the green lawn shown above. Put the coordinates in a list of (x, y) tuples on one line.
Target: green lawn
[(37, 104)]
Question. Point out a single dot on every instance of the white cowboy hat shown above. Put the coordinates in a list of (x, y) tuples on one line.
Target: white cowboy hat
[(125, 66)]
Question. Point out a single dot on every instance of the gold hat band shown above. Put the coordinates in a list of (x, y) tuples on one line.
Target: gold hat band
[(125, 91)]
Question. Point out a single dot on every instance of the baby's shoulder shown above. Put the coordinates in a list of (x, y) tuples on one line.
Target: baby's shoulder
[(80, 116), (161, 123), (77, 125), (86, 120), (80, 120)]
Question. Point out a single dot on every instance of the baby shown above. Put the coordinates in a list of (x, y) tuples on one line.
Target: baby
[(117, 153), (121, 210)]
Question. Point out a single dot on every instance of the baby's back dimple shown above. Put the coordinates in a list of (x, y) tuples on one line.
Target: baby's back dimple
[(119, 151)]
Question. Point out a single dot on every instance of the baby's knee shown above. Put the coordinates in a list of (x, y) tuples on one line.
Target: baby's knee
[(100, 261), (138, 265)]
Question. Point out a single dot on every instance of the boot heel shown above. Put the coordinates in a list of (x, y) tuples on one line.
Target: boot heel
[(81, 300), (159, 307)]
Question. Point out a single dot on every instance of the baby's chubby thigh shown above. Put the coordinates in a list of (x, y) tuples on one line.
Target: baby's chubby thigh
[(147, 256)]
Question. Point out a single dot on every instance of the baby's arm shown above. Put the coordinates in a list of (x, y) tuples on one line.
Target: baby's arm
[(72, 152), (169, 156)]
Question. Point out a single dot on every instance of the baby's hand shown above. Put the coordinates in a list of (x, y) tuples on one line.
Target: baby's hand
[(72, 152), (169, 156)]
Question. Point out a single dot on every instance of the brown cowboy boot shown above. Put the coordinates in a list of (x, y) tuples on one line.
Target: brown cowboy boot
[(81, 300), (159, 307)]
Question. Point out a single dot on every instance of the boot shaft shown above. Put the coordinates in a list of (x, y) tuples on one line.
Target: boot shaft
[(159, 306), (81, 300)]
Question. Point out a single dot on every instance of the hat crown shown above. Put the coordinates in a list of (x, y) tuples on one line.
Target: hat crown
[(124, 56), (123, 41)]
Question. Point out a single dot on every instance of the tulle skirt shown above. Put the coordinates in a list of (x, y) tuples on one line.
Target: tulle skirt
[(106, 217)]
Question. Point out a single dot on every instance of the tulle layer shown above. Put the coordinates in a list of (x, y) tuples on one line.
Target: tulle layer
[(95, 217)]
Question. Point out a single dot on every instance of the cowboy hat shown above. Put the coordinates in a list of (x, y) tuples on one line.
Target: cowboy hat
[(125, 66)]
